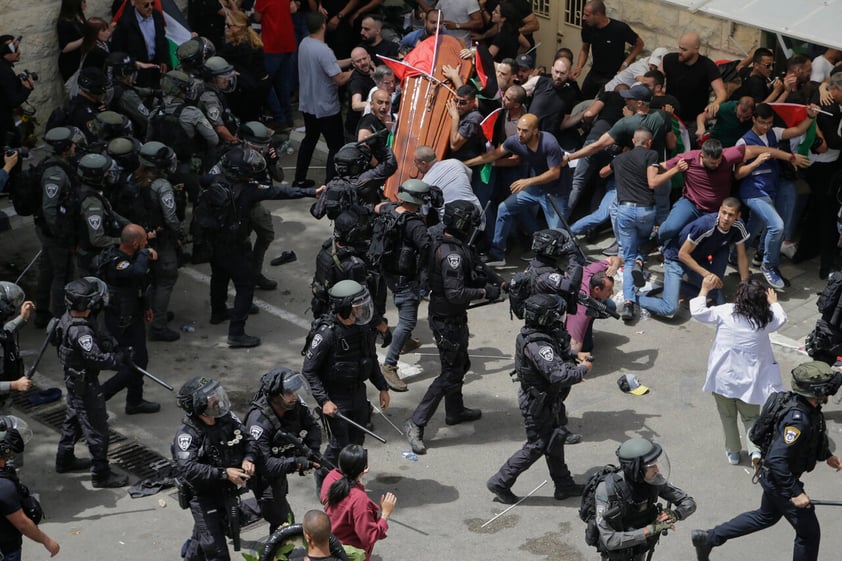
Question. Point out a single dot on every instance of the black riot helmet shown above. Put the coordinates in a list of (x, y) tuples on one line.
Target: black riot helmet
[(552, 243), (92, 81), (93, 169), (87, 293), (61, 138), (352, 228), (203, 396), (255, 133), (461, 218), (11, 298), (543, 310), (124, 150), (352, 159), (193, 53), (815, 380), (158, 155), (110, 124), (281, 387), (121, 67), (15, 434), (242, 164), (644, 461), (348, 298)]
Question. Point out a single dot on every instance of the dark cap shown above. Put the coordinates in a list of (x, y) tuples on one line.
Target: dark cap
[(525, 61), (639, 92)]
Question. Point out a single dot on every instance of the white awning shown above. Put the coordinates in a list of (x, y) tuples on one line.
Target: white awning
[(814, 21)]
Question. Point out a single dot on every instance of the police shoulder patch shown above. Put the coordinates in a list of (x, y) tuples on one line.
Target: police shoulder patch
[(546, 353), (791, 434), (51, 189), (454, 260), (317, 339), (555, 278), (184, 441), (213, 112), (256, 431), (122, 265), (168, 201), (95, 221), (86, 342)]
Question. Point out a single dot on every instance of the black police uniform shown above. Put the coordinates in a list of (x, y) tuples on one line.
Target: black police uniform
[(99, 228), (336, 262), (82, 114), (544, 365), (127, 277), (11, 365), (453, 284), (338, 361), (202, 453), (799, 442), (622, 515), (276, 436), (82, 352), (232, 258)]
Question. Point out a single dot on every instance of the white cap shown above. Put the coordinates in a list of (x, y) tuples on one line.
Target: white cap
[(657, 56)]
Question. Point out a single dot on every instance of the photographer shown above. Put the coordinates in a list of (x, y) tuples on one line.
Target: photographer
[(14, 88), (10, 160)]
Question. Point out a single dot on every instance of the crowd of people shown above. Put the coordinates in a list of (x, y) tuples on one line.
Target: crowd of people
[(674, 150)]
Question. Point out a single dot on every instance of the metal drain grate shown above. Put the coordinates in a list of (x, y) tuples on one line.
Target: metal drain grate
[(128, 455)]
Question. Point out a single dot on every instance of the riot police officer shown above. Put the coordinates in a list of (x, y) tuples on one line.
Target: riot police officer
[(546, 275), (85, 106), (798, 442), (220, 79), (338, 358), (100, 226), (288, 440), (192, 55), (214, 457), (402, 266), (454, 282), (83, 352), (546, 369), (161, 203), (629, 521), (56, 263), (15, 311), (127, 99), (125, 269)]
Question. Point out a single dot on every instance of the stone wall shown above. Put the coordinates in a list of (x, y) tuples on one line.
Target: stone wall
[(36, 21), (661, 24)]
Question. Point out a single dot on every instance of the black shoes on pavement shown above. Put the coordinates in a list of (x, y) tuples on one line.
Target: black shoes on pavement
[(166, 335), (465, 416), (226, 315), (702, 544), (415, 436), (243, 341), (143, 407), (67, 465), (570, 490), (502, 494), (284, 258), (110, 481), (628, 311), (264, 283)]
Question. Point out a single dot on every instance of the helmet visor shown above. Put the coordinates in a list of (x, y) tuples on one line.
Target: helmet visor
[(217, 400), (363, 309), (657, 471)]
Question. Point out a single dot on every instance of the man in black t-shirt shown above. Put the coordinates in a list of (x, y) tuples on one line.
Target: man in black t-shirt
[(373, 41), (553, 99), (690, 77), (608, 38), (759, 84), (359, 86)]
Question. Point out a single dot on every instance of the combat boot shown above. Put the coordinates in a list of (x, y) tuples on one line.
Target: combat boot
[(410, 345), (415, 436), (569, 490), (264, 283), (142, 407), (165, 334), (502, 494), (110, 480), (701, 541), (72, 463), (464, 416), (243, 341), (390, 372)]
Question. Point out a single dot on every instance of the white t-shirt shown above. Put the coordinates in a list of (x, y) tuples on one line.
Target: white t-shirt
[(458, 11), (821, 69)]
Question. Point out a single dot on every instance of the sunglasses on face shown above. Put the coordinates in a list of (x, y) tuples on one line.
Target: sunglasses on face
[(462, 102)]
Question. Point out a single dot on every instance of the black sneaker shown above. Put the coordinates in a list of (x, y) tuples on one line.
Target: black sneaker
[(628, 311), (243, 341), (220, 317), (637, 274), (702, 544), (304, 183), (166, 334), (110, 481), (284, 258), (466, 415), (170, 316), (143, 407), (571, 490), (502, 494), (264, 283), (67, 465)]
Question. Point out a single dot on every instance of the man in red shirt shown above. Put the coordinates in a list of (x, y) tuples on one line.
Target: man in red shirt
[(279, 55)]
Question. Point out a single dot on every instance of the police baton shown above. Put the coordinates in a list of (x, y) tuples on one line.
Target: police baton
[(818, 502), (582, 258), (51, 329), (388, 420), (31, 263), (339, 415), (151, 376)]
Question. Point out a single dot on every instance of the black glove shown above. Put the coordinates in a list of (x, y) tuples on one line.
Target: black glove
[(13, 440), (128, 356), (387, 338), (492, 292), (303, 463)]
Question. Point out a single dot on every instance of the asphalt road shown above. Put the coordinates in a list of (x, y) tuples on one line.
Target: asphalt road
[(442, 500)]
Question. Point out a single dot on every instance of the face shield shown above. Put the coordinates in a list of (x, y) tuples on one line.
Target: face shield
[(217, 400), (226, 82), (363, 309), (657, 471)]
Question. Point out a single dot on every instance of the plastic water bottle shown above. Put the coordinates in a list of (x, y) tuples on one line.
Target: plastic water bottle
[(644, 314), (411, 456), (188, 328), (287, 147)]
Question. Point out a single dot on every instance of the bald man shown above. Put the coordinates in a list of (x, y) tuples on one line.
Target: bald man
[(544, 158), (316, 526), (361, 82), (690, 78)]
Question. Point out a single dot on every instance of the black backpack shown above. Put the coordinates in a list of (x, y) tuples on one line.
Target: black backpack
[(828, 301), (25, 186), (777, 405), (165, 126), (614, 485), (30, 504), (520, 289), (386, 238), (215, 213)]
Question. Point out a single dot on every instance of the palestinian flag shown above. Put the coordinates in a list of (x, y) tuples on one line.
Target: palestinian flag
[(175, 24), (793, 114)]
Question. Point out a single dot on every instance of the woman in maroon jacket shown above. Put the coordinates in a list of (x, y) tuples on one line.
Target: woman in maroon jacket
[(355, 519)]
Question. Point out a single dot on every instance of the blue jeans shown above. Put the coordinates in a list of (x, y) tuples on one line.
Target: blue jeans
[(785, 205), (667, 304), (282, 73), (12, 556), (600, 215), (633, 226), (683, 213), (765, 217), (521, 203), (406, 300)]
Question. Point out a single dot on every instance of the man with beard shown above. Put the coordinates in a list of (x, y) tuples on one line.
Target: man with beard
[(359, 85)]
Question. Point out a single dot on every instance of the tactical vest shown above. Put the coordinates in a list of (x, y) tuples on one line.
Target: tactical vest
[(350, 361), (439, 306), (12, 363), (278, 448), (165, 126), (529, 376), (69, 355), (110, 224), (815, 446), (152, 203), (125, 297), (224, 454)]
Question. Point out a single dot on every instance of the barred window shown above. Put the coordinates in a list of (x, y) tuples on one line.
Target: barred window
[(573, 12), (541, 8)]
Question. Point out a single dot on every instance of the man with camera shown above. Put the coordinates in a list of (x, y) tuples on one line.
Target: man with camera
[(14, 88)]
